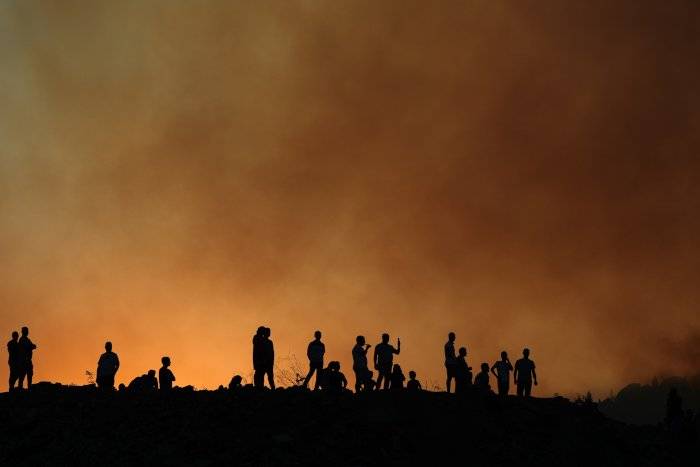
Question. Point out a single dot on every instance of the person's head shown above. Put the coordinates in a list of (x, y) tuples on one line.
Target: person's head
[(385, 338), (412, 374), (108, 346), (462, 351), (360, 340), (334, 365), (267, 332), (451, 337), (25, 331), (236, 381), (317, 335), (504, 355), (15, 335), (526, 352), (165, 361), (397, 368), (151, 373), (485, 367)]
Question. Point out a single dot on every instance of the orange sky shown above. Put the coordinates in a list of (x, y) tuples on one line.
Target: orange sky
[(175, 174)]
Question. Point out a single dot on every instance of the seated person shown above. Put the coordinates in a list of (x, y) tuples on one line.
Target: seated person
[(413, 384)]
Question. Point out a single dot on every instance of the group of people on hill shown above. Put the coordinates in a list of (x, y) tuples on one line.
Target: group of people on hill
[(524, 374), (20, 351), (108, 365), (390, 376)]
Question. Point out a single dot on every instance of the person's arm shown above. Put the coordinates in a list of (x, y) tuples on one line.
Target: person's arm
[(515, 374), (398, 347), (534, 375), (308, 351), (116, 366), (493, 370), (323, 350), (172, 375), (375, 356)]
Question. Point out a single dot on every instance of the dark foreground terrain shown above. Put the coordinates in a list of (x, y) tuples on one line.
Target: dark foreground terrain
[(76, 426)]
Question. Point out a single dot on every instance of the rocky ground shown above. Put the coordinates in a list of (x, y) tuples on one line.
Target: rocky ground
[(58, 425)]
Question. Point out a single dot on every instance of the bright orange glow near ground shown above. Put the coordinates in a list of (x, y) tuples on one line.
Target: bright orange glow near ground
[(175, 174)]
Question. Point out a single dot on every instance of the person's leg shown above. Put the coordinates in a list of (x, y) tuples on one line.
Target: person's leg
[(258, 380), (312, 369), (318, 368), (270, 378), (521, 386), (528, 388), (13, 378), (359, 379), (387, 379), (30, 374), (380, 378)]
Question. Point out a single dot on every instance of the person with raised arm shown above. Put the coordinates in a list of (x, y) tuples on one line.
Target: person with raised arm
[(384, 360)]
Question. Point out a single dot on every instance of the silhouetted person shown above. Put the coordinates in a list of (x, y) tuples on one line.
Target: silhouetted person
[(674, 409), (236, 383), (524, 374), (26, 351), (397, 378), (333, 379), (259, 359), (463, 376), (501, 370), (482, 378), (269, 352), (165, 375), (144, 383), (384, 360), (14, 359), (107, 367), (450, 359), (363, 375), (413, 384), (315, 352)]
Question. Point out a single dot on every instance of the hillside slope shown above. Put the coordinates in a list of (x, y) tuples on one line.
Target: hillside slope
[(69, 426)]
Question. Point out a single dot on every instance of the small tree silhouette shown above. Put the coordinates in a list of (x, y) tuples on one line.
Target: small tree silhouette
[(90, 377)]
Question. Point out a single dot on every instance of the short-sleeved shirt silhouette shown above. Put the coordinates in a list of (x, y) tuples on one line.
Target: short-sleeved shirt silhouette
[(385, 355), (503, 369), (165, 378), (482, 380), (413, 385), (108, 364), (316, 351), (450, 357), (13, 353), (524, 368), (359, 357), (26, 349)]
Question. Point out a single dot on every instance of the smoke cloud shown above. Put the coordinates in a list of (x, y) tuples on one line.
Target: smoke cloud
[(175, 174)]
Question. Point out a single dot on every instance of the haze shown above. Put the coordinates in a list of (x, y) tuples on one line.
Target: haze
[(174, 174)]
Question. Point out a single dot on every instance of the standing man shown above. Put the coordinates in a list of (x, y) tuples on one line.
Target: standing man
[(501, 370), (107, 367), (363, 376), (524, 374), (384, 360), (26, 351), (450, 360), (315, 352), (14, 359)]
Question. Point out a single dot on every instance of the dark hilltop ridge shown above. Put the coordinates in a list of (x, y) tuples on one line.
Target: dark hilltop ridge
[(67, 425)]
